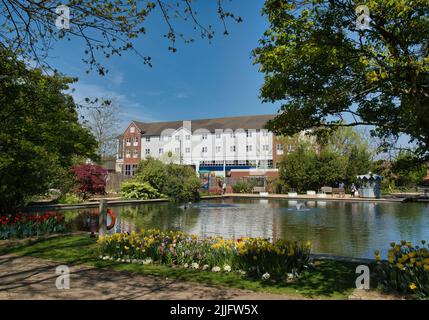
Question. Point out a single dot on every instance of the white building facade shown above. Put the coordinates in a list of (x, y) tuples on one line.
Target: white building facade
[(217, 145)]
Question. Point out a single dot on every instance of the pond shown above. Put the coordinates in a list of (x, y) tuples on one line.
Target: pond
[(351, 229)]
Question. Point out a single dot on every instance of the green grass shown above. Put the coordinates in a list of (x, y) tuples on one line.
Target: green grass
[(328, 280)]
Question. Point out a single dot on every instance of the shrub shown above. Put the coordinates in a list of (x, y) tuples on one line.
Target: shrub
[(279, 186), (178, 182), (27, 225), (254, 256), (406, 270), (90, 179), (138, 190), (68, 199), (242, 187)]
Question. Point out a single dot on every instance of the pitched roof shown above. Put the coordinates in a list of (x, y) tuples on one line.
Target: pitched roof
[(234, 123)]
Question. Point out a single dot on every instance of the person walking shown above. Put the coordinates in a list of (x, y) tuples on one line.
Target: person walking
[(224, 188), (353, 190)]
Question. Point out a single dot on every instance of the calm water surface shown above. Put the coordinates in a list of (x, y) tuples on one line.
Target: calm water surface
[(353, 229)]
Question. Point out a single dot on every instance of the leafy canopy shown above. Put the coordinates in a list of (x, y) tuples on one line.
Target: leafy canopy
[(327, 72), (40, 135)]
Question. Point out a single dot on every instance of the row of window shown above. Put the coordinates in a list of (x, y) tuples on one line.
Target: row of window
[(252, 163), (249, 148), (135, 153), (204, 136), (135, 141)]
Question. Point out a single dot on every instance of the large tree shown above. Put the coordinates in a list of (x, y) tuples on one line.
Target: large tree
[(328, 71), (101, 117), (40, 134)]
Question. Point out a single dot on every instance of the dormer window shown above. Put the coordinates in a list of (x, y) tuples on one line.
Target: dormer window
[(132, 129)]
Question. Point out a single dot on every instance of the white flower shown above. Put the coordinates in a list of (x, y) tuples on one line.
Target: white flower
[(123, 260), (205, 267), (147, 261), (185, 265), (265, 276), (106, 258), (290, 276), (242, 272), (215, 269), (118, 260), (134, 261), (128, 260), (101, 257), (227, 268), (195, 265)]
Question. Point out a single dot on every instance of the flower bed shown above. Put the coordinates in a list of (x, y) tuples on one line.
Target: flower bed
[(255, 257), (27, 225), (407, 269)]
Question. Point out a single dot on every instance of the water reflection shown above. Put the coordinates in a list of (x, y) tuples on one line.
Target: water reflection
[(342, 228)]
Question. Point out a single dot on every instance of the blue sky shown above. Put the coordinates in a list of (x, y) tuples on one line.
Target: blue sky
[(200, 80)]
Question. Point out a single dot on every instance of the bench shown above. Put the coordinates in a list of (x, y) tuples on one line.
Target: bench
[(340, 191), (424, 190), (258, 189), (326, 190)]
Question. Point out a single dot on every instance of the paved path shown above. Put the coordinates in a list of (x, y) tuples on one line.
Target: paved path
[(32, 278)]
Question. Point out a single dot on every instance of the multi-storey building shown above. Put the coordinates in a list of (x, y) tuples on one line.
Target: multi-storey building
[(232, 145)]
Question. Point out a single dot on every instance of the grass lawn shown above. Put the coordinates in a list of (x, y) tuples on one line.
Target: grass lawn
[(328, 280)]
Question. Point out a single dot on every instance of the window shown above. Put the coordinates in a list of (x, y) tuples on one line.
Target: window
[(204, 149), (188, 150), (232, 148), (135, 153), (204, 136), (134, 169), (218, 148), (265, 133), (188, 137), (147, 151), (128, 141), (217, 135), (132, 129), (265, 147), (128, 153), (176, 150), (232, 135), (289, 147), (248, 133), (127, 169), (161, 150), (177, 138), (248, 148), (147, 139), (279, 148), (136, 141)]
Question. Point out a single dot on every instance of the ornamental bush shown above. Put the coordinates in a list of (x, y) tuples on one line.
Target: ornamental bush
[(138, 190), (27, 225), (178, 182), (253, 256), (90, 179), (406, 270), (242, 187)]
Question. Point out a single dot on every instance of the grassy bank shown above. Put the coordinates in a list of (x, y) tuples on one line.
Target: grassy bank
[(329, 279)]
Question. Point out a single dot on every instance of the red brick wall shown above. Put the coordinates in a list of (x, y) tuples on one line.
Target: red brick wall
[(132, 136)]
